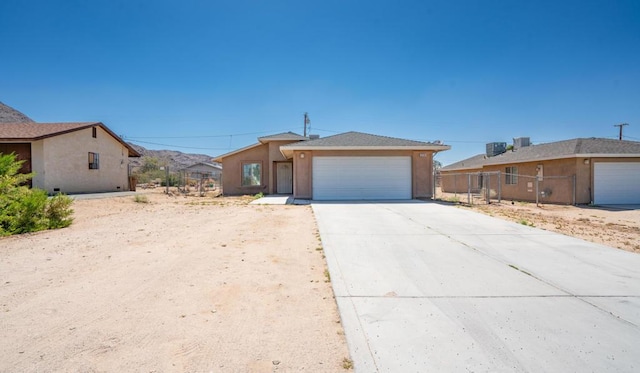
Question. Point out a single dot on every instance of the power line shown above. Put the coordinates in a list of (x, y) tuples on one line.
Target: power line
[(202, 136), (178, 146)]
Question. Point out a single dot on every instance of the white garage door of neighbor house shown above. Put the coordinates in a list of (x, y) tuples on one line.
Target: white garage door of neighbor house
[(616, 183), (361, 178)]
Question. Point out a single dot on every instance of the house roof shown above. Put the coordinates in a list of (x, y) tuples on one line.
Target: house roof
[(285, 136), (38, 131), (207, 164), (360, 141), (477, 161), (220, 157), (581, 147)]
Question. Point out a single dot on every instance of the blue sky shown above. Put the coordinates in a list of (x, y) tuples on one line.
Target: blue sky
[(189, 74)]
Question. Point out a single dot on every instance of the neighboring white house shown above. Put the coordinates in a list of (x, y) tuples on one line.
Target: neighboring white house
[(70, 157), (204, 169)]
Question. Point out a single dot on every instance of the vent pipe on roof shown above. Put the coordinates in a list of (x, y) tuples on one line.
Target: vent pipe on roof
[(314, 137)]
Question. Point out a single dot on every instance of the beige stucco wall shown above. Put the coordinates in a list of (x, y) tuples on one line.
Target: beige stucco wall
[(457, 181), (422, 174), (422, 177), (232, 171), (37, 163), (557, 181), (302, 168), (66, 163)]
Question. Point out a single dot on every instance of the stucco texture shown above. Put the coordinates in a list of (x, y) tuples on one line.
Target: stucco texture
[(61, 163)]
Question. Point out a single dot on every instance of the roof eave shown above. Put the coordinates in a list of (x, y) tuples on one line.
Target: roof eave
[(265, 140), (220, 157), (568, 156), (370, 147), (287, 150), (613, 155)]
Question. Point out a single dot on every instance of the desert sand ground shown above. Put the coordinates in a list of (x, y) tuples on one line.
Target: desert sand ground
[(175, 285), (615, 227)]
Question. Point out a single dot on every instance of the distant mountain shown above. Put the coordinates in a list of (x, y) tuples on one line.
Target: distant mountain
[(11, 115), (177, 160)]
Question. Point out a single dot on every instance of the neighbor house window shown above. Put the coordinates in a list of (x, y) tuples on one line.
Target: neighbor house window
[(94, 132), (511, 175), (251, 174), (94, 161)]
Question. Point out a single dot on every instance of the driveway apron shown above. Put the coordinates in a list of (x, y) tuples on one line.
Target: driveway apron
[(428, 287)]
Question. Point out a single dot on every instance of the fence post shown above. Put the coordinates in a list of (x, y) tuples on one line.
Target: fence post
[(469, 188), (435, 182), (574, 189), (488, 188), (167, 177), (455, 187), (537, 192), (499, 188)]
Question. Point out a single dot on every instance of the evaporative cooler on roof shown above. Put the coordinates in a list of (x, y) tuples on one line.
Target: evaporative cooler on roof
[(495, 148)]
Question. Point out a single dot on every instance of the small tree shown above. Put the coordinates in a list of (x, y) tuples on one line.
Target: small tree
[(27, 210)]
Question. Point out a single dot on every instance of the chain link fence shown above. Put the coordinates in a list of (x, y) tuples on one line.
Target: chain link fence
[(487, 187), (182, 181)]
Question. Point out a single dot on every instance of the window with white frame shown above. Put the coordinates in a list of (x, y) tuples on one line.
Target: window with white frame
[(251, 173), (511, 175), (94, 161)]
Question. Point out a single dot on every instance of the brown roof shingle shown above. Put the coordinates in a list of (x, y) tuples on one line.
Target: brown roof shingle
[(39, 131), (553, 150)]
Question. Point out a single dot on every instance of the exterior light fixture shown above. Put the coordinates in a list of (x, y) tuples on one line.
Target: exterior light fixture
[(301, 155)]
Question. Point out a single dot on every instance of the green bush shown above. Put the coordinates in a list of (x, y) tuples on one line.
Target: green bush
[(25, 210), (59, 211), (28, 211)]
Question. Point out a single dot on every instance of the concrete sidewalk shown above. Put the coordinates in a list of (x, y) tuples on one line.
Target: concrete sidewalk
[(102, 195), (427, 287)]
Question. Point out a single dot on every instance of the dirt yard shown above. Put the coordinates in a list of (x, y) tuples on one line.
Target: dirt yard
[(175, 285), (612, 227)]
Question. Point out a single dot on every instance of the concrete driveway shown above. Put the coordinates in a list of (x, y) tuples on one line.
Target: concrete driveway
[(429, 287)]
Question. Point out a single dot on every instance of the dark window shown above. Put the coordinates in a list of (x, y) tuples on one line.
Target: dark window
[(251, 174), (94, 161), (94, 132)]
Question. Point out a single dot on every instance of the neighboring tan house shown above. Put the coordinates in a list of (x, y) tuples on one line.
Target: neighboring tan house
[(347, 166), (70, 157), (582, 171)]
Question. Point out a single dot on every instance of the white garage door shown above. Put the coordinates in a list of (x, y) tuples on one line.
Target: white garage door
[(360, 178), (616, 183)]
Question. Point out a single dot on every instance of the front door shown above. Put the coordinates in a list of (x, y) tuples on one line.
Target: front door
[(284, 174)]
